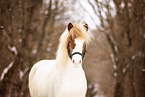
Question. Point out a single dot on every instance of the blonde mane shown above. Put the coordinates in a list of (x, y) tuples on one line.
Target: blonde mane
[(80, 32)]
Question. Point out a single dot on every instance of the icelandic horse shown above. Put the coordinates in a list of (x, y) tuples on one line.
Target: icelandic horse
[(64, 76)]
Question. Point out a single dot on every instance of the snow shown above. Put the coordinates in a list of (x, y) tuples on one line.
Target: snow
[(48, 49), (20, 40), (133, 57), (22, 73), (144, 35), (124, 70), (34, 51), (143, 70), (138, 54), (113, 61), (115, 74), (112, 55), (46, 12), (96, 87), (1, 26), (99, 96), (13, 49), (96, 90), (114, 67), (116, 48), (122, 5), (6, 70), (90, 86)]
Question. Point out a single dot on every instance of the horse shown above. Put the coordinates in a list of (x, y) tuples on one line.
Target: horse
[(63, 76)]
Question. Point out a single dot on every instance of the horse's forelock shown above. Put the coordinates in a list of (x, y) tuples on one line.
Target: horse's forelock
[(79, 31)]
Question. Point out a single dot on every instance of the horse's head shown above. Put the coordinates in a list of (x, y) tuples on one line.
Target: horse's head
[(77, 43)]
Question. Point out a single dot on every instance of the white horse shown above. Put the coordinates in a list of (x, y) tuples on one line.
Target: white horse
[(63, 77)]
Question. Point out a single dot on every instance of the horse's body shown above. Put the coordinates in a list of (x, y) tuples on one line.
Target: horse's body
[(51, 82), (58, 78)]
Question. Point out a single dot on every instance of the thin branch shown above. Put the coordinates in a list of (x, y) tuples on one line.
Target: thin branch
[(13, 49), (87, 13), (93, 7), (44, 26), (6, 70)]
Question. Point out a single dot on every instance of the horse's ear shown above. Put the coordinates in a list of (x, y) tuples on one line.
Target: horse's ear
[(70, 26), (86, 26)]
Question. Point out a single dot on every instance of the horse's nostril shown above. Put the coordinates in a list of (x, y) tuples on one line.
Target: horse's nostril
[(73, 61), (80, 61)]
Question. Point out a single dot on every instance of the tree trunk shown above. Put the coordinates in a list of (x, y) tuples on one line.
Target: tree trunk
[(11, 78), (16, 23), (119, 87)]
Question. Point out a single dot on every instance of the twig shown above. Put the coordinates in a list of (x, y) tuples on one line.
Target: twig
[(6, 70)]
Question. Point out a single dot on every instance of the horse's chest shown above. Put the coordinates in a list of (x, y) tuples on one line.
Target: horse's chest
[(72, 84)]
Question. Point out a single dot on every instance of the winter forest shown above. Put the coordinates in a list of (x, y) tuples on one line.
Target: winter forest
[(115, 62)]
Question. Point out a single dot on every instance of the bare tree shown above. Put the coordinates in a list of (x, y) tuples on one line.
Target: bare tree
[(123, 24), (26, 31), (54, 8), (17, 18)]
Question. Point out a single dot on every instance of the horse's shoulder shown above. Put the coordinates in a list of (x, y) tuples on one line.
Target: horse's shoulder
[(43, 65)]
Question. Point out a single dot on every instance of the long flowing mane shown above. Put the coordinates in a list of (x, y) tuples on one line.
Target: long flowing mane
[(78, 30)]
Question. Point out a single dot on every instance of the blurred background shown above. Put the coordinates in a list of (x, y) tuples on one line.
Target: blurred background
[(115, 61)]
